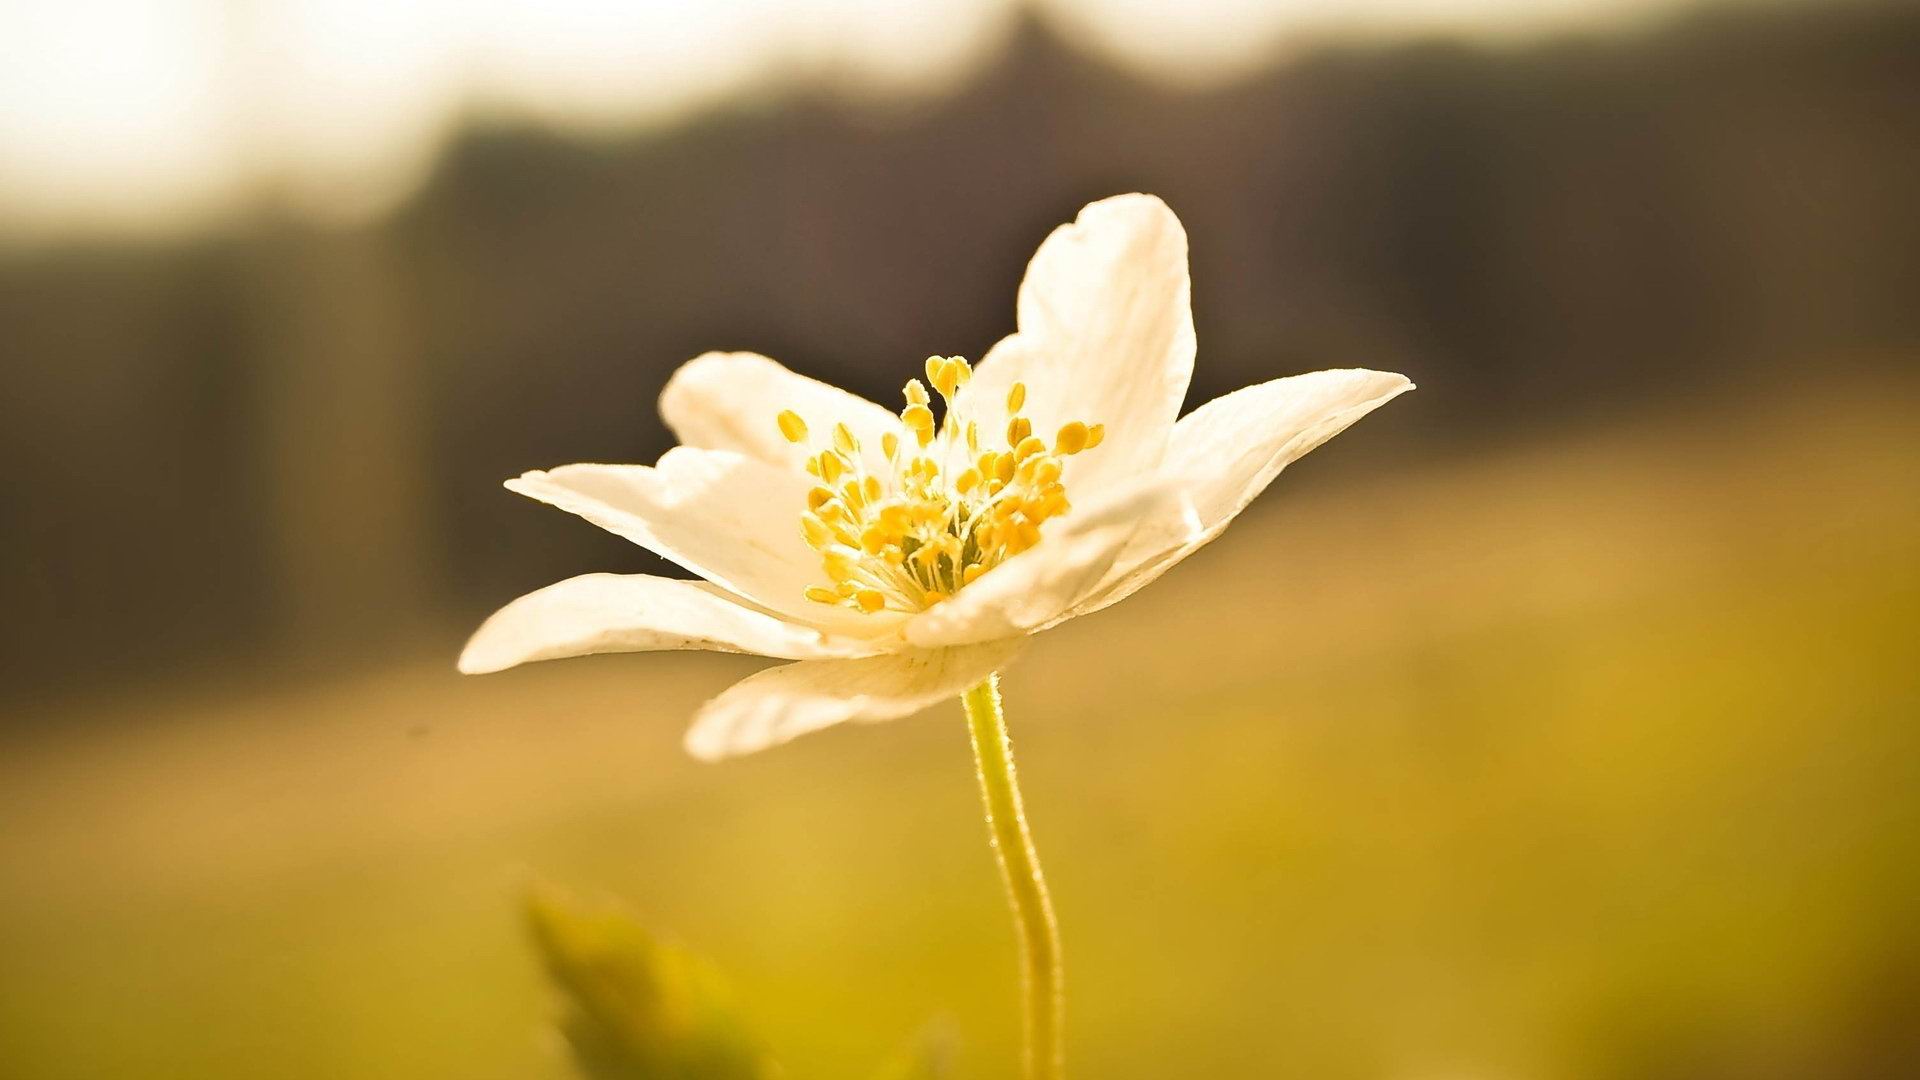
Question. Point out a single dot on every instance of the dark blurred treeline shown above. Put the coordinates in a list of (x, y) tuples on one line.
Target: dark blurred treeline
[(282, 444)]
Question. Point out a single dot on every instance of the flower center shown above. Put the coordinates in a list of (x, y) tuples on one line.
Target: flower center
[(948, 506)]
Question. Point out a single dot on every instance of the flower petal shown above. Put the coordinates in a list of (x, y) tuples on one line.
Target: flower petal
[(780, 703), (605, 613), (729, 518), (1105, 336), (1232, 448), (1072, 558), (731, 401)]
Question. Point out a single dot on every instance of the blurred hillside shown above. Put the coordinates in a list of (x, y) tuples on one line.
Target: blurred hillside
[(282, 444)]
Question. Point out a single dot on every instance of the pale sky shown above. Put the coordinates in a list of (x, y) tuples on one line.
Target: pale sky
[(152, 116)]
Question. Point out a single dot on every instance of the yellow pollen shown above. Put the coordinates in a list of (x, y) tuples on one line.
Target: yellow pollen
[(791, 426), (909, 531)]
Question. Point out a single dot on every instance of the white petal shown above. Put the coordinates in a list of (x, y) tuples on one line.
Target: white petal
[(1233, 447), (1105, 336), (604, 613), (1073, 556), (780, 703), (1238, 443), (732, 401), (729, 518)]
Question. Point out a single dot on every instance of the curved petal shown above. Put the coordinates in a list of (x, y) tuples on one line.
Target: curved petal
[(780, 703), (1105, 336), (730, 401), (1071, 559), (729, 518), (605, 613), (1233, 447)]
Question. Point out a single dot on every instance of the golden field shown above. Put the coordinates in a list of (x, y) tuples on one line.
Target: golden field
[(1589, 757)]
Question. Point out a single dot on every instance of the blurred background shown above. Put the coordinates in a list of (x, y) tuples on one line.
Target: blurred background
[(1557, 722)]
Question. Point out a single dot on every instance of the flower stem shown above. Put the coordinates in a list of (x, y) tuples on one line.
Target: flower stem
[(1045, 1002)]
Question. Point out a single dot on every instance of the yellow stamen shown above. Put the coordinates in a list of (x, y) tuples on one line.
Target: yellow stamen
[(942, 375), (816, 531), (909, 533), (794, 428)]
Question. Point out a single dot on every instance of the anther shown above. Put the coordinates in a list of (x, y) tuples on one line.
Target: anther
[(1072, 439), (1016, 397), (939, 375), (791, 426), (816, 531)]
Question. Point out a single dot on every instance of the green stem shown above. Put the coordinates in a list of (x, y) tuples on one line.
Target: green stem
[(1026, 887)]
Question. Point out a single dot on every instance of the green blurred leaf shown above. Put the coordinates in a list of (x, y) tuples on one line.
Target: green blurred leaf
[(638, 1008)]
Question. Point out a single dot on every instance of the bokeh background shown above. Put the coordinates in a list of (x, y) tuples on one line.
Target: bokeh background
[(1559, 721)]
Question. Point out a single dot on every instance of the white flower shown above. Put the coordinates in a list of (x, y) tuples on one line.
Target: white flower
[(901, 558)]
